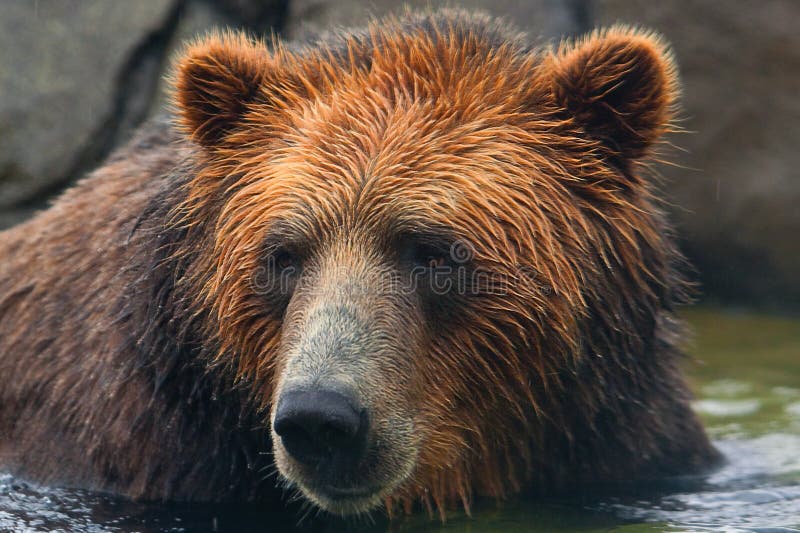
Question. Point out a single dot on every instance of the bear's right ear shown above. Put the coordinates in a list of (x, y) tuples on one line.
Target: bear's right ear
[(215, 80), (619, 84)]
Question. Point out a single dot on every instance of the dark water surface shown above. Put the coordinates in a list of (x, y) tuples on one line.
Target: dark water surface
[(747, 379)]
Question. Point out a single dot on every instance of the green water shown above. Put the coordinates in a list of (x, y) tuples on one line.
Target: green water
[(748, 373), (745, 370)]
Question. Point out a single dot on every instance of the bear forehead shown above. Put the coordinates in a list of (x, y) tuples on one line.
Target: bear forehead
[(361, 153), (412, 165), (460, 61)]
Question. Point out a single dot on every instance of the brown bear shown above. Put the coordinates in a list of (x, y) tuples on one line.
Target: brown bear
[(414, 264)]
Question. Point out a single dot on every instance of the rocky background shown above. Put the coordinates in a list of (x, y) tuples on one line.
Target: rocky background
[(77, 76)]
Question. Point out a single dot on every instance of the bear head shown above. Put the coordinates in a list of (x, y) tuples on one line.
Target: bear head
[(417, 236)]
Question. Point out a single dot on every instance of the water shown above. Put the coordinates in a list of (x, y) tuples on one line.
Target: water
[(747, 379)]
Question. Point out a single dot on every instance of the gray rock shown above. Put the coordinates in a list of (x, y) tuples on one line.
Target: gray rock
[(77, 76), (62, 63), (737, 190)]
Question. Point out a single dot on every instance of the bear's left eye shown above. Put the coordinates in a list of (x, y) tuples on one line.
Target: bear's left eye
[(429, 257), (436, 261)]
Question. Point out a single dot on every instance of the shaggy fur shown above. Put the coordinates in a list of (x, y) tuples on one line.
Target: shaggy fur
[(137, 356)]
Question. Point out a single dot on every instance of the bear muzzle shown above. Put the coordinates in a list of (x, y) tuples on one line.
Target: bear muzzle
[(343, 429)]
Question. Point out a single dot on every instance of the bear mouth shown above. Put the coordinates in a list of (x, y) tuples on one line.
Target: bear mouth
[(347, 493), (345, 501), (339, 498)]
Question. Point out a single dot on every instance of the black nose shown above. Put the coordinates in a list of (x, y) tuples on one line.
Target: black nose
[(320, 425)]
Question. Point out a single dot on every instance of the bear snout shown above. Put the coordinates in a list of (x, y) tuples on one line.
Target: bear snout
[(322, 428)]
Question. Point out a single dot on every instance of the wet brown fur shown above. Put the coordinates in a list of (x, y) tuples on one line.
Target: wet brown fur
[(136, 357)]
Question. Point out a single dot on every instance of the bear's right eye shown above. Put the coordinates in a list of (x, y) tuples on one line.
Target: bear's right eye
[(275, 281)]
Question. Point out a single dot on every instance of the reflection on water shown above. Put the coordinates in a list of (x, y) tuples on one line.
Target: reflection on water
[(758, 489), (747, 378)]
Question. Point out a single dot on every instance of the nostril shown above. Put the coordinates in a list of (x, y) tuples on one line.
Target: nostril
[(298, 441), (315, 425), (335, 436)]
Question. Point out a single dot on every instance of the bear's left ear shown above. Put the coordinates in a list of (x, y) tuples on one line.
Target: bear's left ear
[(619, 84), (215, 79)]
